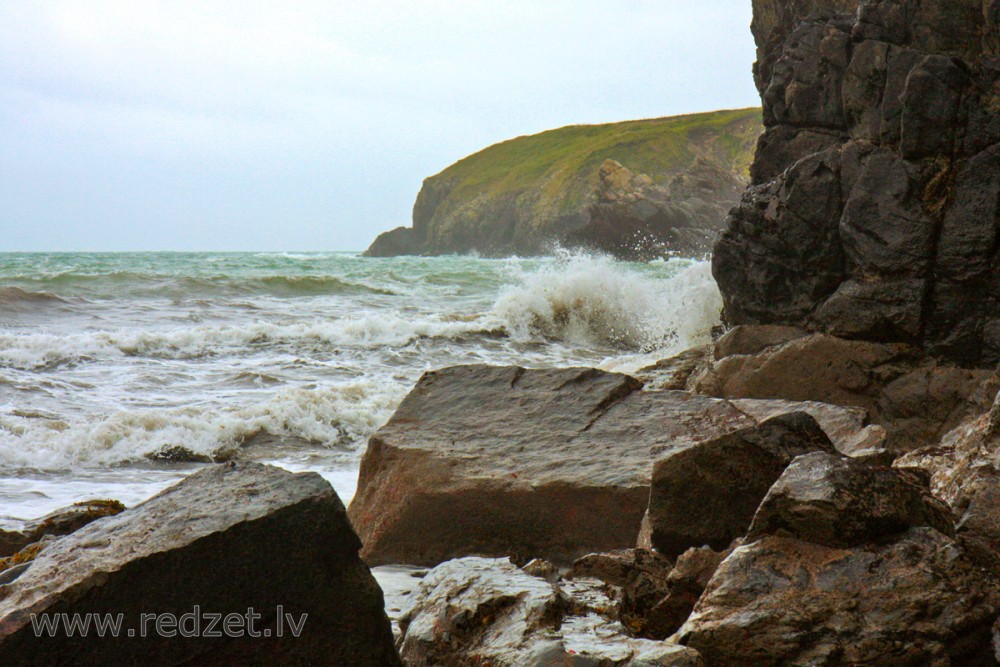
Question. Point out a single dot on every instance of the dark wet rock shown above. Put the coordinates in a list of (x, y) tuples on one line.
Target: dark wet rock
[(837, 502), (913, 397), (638, 578), (917, 600), (62, 521), (685, 584), (874, 210), (225, 539), (396, 242), (706, 493), (478, 611)]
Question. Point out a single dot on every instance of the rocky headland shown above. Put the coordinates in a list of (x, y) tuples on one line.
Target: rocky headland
[(818, 486), (634, 190)]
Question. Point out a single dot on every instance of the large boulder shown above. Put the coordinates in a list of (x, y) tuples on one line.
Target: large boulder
[(840, 502), (483, 611), (244, 540), (706, 493), (488, 461), (915, 398), (873, 211), (496, 461), (917, 600)]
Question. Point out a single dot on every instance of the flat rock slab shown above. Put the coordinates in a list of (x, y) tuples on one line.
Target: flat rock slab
[(496, 461), (224, 540), (555, 464)]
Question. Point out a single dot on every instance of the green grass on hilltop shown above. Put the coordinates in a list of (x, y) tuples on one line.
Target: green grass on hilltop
[(559, 167)]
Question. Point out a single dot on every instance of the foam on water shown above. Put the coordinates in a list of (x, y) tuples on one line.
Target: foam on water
[(586, 299), (296, 359)]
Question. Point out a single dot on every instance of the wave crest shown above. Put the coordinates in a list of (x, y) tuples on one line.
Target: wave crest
[(587, 299)]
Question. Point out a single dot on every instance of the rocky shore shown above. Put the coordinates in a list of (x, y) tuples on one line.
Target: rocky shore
[(819, 486)]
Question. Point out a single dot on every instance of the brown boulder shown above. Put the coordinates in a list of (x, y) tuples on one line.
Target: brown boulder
[(781, 601), (837, 502), (490, 461), (916, 399), (706, 493)]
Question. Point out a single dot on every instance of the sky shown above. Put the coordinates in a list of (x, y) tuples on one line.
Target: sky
[(299, 125)]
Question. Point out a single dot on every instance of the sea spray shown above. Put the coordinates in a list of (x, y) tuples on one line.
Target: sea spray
[(103, 375), (589, 299)]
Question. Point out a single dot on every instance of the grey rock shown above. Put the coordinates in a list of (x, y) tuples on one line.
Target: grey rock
[(225, 539), (472, 611)]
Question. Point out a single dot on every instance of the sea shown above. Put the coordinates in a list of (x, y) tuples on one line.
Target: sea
[(120, 373)]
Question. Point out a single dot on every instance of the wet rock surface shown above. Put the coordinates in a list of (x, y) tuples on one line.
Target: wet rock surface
[(548, 464), (918, 600), (837, 502), (915, 398), (706, 493), (874, 210), (478, 611), (228, 538)]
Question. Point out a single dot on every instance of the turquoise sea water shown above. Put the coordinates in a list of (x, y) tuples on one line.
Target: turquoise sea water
[(121, 372)]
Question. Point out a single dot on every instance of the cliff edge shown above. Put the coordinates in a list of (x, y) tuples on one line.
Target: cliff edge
[(635, 189), (875, 201)]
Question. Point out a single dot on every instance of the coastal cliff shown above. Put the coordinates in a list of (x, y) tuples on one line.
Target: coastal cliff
[(636, 189), (874, 210)]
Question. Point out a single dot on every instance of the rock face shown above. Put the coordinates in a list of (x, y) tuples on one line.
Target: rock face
[(554, 464), (965, 472), (874, 207), (634, 219), (917, 600), (526, 195), (838, 502), (224, 540), (479, 611), (706, 493), (915, 398)]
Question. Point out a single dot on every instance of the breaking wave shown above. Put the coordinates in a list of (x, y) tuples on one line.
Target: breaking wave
[(587, 299), (338, 415)]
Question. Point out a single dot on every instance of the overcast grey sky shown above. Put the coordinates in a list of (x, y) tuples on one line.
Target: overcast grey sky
[(300, 125)]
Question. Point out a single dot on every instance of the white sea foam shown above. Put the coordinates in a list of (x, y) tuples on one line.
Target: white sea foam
[(40, 351), (335, 415), (587, 299)]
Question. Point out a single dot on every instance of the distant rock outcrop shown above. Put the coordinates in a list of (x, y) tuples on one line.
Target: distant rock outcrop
[(637, 190), (875, 204)]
